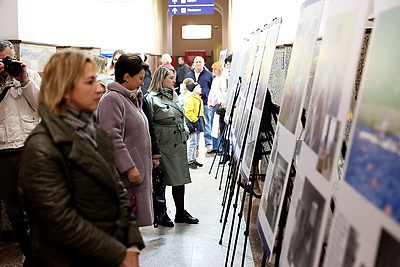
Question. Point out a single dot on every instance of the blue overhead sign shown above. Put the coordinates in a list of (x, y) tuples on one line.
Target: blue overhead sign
[(190, 7)]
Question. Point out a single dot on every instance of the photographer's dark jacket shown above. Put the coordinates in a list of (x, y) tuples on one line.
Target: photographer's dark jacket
[(78, 206), (18, 115)]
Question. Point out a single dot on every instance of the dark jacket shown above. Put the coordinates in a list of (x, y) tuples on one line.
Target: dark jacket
[(181, 72), (205, 81), (78, 207)]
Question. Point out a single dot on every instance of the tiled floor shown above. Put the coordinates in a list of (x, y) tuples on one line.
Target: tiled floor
[(188, 245), (195, 245)]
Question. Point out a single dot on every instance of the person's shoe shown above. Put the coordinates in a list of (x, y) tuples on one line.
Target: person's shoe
[(209, 149), (192, 165), (198, 163), (166, 221), (212, 151), (185, 217)]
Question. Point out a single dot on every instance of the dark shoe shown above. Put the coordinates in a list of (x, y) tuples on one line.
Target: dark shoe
[(213, 151), (192, 165), (198, 163), (166, 221), (185, 217)]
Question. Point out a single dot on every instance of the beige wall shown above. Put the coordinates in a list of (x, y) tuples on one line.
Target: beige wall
[(180, 46)]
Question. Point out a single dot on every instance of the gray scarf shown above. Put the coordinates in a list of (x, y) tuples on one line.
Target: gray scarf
[(83, 124)]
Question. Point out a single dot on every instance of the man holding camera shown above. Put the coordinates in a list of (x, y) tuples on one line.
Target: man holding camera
[(19, 92)]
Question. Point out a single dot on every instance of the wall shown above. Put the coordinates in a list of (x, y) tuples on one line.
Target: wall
[(9, 17), (126, 24), (179, 45), (250, 15)]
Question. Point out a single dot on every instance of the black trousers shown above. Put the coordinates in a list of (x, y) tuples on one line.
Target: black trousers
[(9, 167)]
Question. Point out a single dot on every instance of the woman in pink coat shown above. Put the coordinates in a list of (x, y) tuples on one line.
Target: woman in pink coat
[(120, 114)]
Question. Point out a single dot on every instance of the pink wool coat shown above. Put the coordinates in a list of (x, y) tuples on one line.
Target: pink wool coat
[(120, 114)]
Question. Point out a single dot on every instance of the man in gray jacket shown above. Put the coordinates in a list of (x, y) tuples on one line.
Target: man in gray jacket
[(19, 91)]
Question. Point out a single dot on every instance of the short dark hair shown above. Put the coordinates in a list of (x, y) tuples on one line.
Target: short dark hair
[(181, 58), (129, 63), (228, 59)]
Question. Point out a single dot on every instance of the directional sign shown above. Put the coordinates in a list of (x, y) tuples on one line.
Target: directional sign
[(190, 7), (190, 2)]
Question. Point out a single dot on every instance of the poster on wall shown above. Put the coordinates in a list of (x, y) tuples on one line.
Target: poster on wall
[(285, 139), (331, 95), (368, 204), (258, 92)]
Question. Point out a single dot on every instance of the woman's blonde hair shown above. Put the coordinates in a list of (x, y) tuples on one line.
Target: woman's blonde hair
[(217, 65), (101, 62), (159, 75), (59, 77)]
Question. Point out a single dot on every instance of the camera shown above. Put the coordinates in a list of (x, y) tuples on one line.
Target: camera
[(11, 67)]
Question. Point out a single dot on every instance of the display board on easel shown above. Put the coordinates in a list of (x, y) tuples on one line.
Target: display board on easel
[(257, 93), (367, 215), (285, 138), (330, 101), (240, 118)]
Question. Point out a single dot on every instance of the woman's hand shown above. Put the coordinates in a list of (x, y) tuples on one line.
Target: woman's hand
[(156, 163), (133, 175), (131, 260)]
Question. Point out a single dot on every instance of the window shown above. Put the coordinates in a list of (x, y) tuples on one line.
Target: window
[(196, 32)]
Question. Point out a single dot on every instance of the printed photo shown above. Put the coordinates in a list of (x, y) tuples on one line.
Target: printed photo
[(373, 167), (303, 242), (388, 251), (276, 190)]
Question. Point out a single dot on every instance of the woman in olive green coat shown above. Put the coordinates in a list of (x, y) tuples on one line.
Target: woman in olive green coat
[(79, 212), (168, 116)]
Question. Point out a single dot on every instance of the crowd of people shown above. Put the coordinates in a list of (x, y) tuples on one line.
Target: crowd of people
[(78, 144)]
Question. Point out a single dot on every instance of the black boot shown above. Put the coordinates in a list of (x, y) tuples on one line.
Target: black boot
[(166, 221), (185, 217)]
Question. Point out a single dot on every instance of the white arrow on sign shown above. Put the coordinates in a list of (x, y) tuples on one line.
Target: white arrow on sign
[(174, 10), (174, 1)]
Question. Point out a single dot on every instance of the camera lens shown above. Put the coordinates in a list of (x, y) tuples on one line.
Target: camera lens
[(13, 68)]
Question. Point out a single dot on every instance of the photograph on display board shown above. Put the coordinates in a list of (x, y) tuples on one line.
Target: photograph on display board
[(373, 167), (275, 146), (328, 86), (242, 128), (236, 119), (327, 147), (274, 196), (260, 94), (297, 79), (388, 251), (237, 71), (308, 214), (352, 245), (250, 144)]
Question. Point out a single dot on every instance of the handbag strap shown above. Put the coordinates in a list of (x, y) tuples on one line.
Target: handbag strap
[(198, 114)]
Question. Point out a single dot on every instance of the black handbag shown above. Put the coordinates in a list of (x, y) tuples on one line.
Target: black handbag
[(159, 201), (194, 126), (219, 109)]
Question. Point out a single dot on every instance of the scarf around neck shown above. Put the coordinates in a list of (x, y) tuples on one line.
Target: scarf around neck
[(169, 93), (83, 124)]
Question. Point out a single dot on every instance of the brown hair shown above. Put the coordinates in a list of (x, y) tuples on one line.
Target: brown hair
[(159, 75)]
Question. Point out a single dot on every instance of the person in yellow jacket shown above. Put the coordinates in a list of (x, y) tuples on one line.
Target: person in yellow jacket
[(194, 113)]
